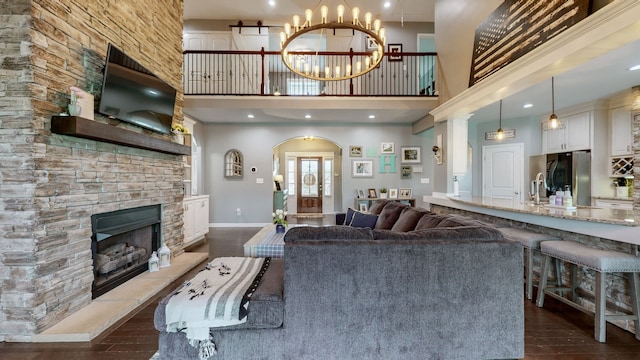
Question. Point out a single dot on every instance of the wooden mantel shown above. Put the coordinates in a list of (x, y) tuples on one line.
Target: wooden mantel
[(94, 130)]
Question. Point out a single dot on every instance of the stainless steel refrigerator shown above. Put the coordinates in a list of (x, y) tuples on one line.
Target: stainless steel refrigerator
[(572, 169)]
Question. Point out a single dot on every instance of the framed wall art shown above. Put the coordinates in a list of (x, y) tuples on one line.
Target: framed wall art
[(405, 172), (395, 49), (393, 193), (362, 168), (404, 193), (410, 155), (387, 148), (355, 151), (371, 43)]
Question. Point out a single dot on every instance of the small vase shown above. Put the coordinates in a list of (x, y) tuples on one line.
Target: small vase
[(383, 195), (280, 229), (179, 137), (74, 109)]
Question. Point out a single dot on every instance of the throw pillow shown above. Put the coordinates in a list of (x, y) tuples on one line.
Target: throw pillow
[(362, 220), (377, 206), (349, 216), (389, 215), (457, 220), (430, 221), (408, 219)]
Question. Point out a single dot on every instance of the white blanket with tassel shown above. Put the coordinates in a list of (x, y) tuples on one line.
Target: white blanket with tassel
[(213, 298)]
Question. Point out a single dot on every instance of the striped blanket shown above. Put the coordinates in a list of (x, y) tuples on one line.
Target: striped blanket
[(216, 297)]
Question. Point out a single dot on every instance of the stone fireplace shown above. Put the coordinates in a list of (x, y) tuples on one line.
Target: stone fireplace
[(121, 244), (52, 183)]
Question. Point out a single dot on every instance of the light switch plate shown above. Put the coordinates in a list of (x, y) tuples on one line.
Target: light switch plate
[(259, 181), (425, 180)]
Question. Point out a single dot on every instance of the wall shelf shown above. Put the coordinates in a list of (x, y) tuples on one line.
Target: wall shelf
[(94, 130)]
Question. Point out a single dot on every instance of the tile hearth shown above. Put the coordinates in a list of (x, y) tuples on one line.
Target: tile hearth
[(106, 310)]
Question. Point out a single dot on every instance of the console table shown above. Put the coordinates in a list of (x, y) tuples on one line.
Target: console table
[(267, 242), (368, 201)]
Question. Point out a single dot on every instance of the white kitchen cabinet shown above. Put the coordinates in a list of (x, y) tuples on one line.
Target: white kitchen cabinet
[(614, 204), (196, 218), (575, 134), (621, 132)]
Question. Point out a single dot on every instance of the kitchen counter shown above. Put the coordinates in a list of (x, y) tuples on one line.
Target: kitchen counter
[(613, 224), (613, 198)]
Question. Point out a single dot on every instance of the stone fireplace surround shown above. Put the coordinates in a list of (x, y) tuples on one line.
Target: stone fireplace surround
[(53, 183)]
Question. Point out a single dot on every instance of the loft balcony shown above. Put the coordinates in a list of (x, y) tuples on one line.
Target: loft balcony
[(263, 73)]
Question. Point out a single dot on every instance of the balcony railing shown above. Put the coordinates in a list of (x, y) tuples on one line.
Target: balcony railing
[(263, 73)]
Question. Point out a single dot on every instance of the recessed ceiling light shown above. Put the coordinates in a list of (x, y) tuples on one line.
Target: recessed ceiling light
[(250, 116), (307, 116), (634, 68), (272, 2), (526, 106), (387, 4), (372, 116)]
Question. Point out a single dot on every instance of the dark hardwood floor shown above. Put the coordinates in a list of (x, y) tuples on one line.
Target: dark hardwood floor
[(556, 331)]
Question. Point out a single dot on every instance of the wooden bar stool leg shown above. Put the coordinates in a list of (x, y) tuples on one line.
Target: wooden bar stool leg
[(635, 300), (600, 321), (558, 272), (530, 253), (544, 274), (574, 282)]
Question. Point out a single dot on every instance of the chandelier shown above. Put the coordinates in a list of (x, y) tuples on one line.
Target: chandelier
[(318, 65)]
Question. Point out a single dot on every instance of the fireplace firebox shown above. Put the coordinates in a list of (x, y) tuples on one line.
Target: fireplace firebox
[(122, 242)]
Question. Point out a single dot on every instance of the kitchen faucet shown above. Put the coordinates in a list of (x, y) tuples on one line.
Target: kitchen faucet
[(537, 186)]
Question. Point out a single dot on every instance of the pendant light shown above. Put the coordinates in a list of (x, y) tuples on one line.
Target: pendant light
[(553, 119), (500, 133)]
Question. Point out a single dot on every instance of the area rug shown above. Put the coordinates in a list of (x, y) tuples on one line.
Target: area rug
[(308, 216), (156, 356)]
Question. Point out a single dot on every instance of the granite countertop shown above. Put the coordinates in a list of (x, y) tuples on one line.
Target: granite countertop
[(614, 198), (581, 213)]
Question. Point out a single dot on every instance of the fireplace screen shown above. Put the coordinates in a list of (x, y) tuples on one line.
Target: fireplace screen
[(122, 243)]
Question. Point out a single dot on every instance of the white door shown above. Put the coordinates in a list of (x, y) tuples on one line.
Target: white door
[(502, 174), (205, 73)]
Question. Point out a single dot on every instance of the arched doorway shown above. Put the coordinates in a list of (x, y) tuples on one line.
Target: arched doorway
[(311, 174)]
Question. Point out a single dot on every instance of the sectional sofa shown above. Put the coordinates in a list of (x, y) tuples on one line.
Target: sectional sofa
[(416, 286)]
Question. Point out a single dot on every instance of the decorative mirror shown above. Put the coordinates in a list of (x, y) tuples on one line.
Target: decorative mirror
[(233, 164)]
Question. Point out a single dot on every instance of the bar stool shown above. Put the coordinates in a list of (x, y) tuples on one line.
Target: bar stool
[(531, 242), (602, 261)]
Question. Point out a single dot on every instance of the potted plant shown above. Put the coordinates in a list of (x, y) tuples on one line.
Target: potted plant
[(280, 219), (383, 193), (179, 132)]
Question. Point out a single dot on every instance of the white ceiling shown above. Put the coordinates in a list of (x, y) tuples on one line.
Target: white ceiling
[(599, 78), (245, 10)]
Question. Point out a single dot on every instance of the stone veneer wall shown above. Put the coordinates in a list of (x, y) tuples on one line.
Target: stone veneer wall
[(636, 161), (51, 184), (618, 290)]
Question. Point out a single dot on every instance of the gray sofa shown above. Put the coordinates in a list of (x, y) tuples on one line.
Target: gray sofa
[(447, 288)]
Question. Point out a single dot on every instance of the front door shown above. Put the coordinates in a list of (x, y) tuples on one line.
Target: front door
[(309, 185)]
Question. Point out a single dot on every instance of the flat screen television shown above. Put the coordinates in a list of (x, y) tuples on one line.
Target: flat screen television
[(134, 94)]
